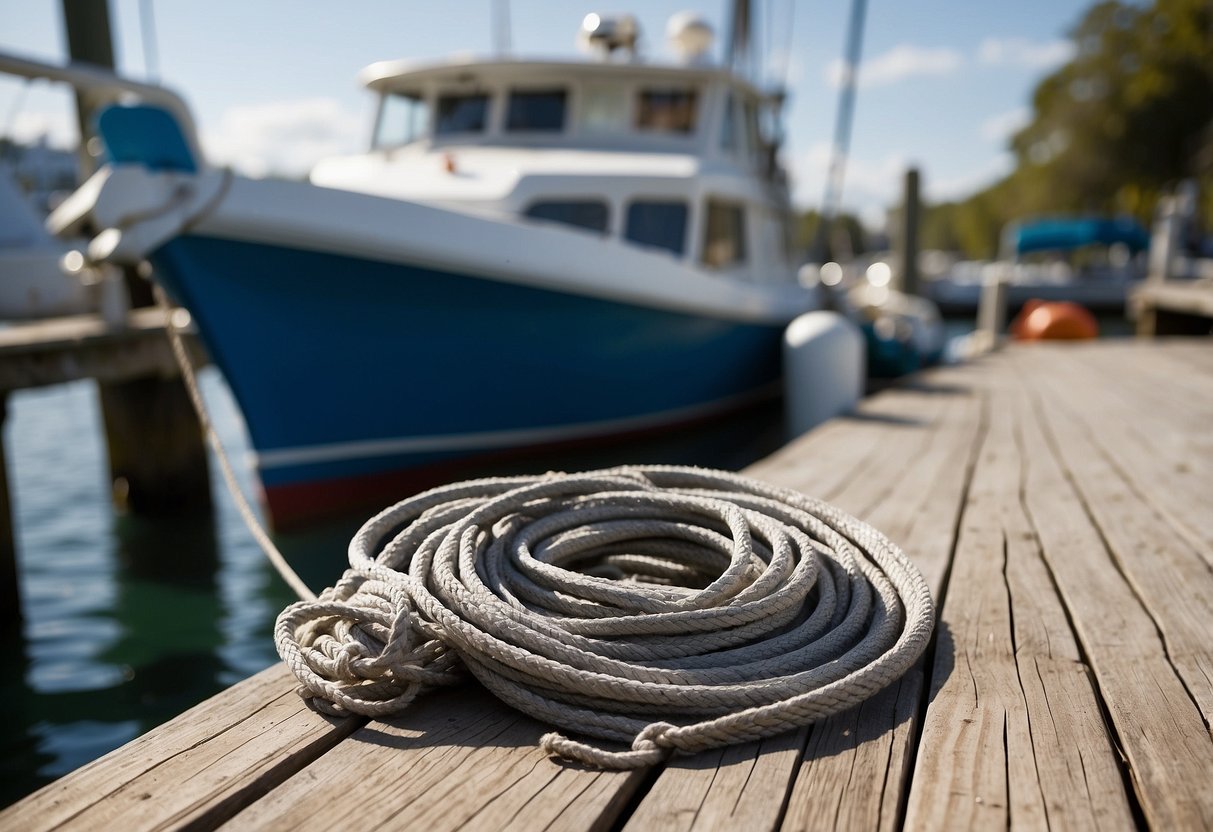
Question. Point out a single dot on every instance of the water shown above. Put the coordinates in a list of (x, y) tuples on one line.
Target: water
[(127, 622)]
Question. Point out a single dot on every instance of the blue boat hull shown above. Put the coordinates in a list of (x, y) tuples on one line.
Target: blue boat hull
[(362, 380)]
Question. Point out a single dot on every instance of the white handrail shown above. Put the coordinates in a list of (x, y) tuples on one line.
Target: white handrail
[(98, 87)]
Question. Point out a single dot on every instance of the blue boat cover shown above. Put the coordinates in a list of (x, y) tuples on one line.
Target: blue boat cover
[(145, 135), (1064, 234)]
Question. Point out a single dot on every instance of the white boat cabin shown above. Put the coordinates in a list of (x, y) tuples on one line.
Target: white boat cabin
[(678, 159)]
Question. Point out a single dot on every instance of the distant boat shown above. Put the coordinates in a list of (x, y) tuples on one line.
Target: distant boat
[(33, 283), (1092, 261), (532, 255)]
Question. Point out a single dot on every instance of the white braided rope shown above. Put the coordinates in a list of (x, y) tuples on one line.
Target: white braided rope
[(663, 607)]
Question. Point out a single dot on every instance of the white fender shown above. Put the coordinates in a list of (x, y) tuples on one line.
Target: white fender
[(824, 367)]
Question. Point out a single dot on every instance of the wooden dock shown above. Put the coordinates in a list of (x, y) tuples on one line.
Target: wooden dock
[(1059, 499), (157, 456), (1173, 307)]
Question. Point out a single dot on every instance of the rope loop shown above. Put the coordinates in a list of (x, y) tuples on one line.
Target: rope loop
[(665, 608)]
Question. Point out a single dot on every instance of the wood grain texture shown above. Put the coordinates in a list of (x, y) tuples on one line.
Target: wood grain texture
[(1137, 596), (195, 770), (992, 753), (457, 759)]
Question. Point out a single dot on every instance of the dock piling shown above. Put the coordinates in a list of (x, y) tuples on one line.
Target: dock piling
[(907, 241), (10, 596), (157, 458)]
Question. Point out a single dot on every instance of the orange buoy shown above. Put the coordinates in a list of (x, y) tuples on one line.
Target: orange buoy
[(1053, 321)]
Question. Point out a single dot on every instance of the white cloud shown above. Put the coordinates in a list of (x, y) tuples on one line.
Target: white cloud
[(870, 186), (999, 128), (900, 62), (1020, 52), (285, 138)]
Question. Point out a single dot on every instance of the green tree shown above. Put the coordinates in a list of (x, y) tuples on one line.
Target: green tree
[(1113, 129)]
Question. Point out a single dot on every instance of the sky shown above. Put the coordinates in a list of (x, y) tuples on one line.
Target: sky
[(942, 86)]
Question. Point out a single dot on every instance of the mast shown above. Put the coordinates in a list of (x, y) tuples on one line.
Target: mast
[(738, 53), (832, 199)]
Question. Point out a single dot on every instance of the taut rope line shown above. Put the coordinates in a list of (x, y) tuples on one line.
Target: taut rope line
[(663, 607)]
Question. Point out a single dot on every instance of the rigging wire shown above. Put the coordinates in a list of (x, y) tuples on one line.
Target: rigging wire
[(147, 31), (836, 176)]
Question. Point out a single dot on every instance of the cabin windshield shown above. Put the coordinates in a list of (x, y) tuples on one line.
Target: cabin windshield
[(536, 110), (403, 118), (461, 113)]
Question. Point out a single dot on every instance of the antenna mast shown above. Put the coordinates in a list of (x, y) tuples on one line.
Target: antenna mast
[(832, 200), (501, 28)]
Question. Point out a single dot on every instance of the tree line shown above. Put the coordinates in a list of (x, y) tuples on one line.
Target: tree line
[(1112, 130)]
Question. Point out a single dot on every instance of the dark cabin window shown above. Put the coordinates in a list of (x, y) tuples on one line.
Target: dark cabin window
[(535, 110), (658, 224), (670, 111), (461, 113), (724, 235), (728, 126), (589, 214)]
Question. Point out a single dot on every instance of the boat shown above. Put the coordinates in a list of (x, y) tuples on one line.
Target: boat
[(532, 256), (902, 332), (33, 282), (1090, 260)]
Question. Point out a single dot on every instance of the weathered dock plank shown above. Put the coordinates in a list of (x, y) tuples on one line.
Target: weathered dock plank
[(992, 754), (195, 770), (59, 350), (1143, 429), (456, 759), (1158, 725)]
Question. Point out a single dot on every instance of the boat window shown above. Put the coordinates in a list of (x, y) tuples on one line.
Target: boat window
[(462, 113), (403, 118), (586, 213), (724, 235), (752, 136), (728, 124), (660, 224), (671, 110), (536, 110), (604, 109)]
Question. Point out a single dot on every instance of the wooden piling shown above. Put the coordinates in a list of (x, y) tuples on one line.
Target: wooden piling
[(907, 243), (10, 596), (157, 457)]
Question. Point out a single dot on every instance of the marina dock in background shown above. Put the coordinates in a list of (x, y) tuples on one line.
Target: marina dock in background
[(1056, 498), (156, 454)]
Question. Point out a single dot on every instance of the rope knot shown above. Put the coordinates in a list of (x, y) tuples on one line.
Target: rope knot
[(653, 737), (647, 750)]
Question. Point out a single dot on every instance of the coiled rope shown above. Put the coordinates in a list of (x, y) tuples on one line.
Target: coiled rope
[(663, 607), (669, 608)]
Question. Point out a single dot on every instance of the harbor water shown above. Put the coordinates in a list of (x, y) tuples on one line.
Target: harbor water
[(127, 621)]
